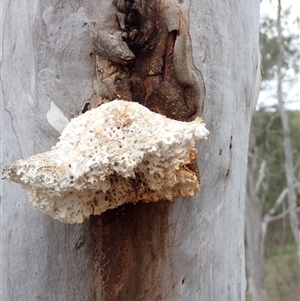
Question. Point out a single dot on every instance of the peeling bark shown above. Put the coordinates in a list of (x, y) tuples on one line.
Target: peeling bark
[(150, 55)]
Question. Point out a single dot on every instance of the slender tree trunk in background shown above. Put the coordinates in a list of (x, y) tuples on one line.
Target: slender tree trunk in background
[(292, 199), (191, 249), (255, 260)]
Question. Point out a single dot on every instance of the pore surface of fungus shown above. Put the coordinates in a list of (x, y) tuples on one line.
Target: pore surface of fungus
[(118, 153)]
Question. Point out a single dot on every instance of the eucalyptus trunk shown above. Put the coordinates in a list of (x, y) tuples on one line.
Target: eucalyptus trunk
[(188, 249)]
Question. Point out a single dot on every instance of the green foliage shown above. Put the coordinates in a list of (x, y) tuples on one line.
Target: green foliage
[(280, 250), (269, 139), (270, 48), (267, 124)]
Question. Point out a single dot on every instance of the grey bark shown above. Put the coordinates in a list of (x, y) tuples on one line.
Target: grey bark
[(255, 239), (191, 249)]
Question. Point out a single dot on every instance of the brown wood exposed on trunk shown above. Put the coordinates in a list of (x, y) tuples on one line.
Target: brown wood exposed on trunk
[(134, 241), (191, 249)]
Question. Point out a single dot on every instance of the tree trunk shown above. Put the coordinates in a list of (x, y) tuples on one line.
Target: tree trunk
[(190, 249), (287, 145), (255, 260)]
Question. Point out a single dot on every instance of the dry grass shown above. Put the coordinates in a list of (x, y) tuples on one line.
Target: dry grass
[(283, 275)]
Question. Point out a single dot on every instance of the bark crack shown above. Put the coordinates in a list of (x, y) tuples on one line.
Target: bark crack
[(160, 73)]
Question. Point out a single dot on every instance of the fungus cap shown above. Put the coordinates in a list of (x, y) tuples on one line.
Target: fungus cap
[(118, 153)]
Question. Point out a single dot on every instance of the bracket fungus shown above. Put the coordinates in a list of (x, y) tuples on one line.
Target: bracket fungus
[(118, 153)]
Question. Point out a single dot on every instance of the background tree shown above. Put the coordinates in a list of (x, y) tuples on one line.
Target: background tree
[(273, 155), (191, 249), (255, 260), (288, 152)]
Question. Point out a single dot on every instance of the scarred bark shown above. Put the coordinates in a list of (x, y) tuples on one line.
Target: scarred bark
[(191, 249)]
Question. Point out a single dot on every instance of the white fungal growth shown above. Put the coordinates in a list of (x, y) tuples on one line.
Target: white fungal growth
[(118, 153)]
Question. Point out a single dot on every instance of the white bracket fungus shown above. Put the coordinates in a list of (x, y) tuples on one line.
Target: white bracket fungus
[(118, 153)]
